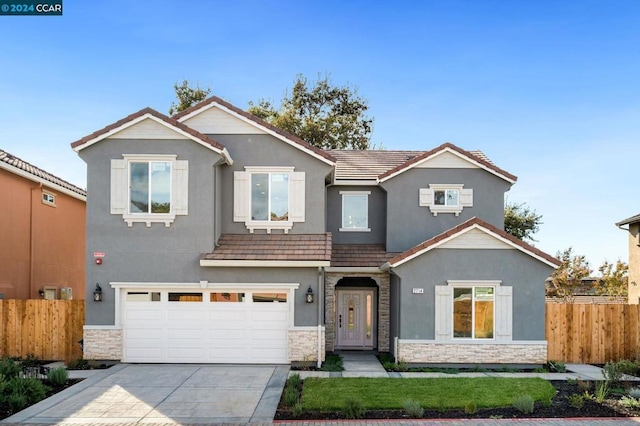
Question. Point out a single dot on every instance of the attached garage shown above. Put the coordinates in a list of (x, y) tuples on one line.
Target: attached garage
[(226, 325)]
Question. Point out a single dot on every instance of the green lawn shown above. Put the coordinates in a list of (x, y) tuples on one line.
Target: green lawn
[(320, 394)]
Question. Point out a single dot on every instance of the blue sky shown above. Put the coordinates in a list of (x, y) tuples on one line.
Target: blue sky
[(547, 89)]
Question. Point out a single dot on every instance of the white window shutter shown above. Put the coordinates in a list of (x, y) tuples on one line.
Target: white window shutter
[(444, 312), (119, 186), (241, 196), (297, 197), (180, 188), (426, 197), (466, 197), (504, 314)]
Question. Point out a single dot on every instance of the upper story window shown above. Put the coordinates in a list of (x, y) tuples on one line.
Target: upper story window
[(269, 198), (355, 211), (149, 188), (48, 199), (446, 198)]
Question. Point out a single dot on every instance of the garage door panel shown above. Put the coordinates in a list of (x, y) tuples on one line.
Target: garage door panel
[(209, 331)]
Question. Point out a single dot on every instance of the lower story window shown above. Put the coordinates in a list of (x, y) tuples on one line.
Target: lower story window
[(473, 312)]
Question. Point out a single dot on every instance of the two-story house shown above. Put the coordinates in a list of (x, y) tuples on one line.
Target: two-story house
[(633, 228), (223, 239), (42, 243)]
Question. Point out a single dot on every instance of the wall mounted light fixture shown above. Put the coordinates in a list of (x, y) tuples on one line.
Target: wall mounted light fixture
[(309, 295), (97, 293)]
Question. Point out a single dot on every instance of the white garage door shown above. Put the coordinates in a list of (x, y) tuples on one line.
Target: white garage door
[(206, 326)]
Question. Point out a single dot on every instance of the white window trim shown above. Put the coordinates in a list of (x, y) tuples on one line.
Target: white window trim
[(296, 211), (120, 189), (51, 203), (472, 285), (427, 198), (348, 193), (503, 311)]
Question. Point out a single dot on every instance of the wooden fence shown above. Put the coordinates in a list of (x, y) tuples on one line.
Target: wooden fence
[(576, 333), (49, 329), (592, 333)]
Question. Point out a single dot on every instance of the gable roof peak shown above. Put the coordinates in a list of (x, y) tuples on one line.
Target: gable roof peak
[(479, 160), (464, 227), (157, 116), (255, 121)]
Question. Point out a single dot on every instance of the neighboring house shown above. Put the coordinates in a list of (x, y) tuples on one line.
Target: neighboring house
[(42, 253), (633, 228), (227, 240)]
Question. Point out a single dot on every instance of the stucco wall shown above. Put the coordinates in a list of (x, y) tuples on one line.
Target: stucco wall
[(376, 218), (265, 150), (408, 224), (140, 253), (42, 245), (525, 274)]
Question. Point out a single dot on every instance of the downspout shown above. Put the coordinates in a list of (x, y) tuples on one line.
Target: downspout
[(320, 310), (31, 240)]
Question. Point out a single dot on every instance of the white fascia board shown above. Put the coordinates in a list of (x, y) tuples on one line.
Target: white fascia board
[(203, 285), (456, 153), (356, 182), (22, 173), (265, 263), (143, 117), (355, 269), (464, 231), (256, 125)]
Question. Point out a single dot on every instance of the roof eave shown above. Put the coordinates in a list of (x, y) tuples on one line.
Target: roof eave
[(23, 173)]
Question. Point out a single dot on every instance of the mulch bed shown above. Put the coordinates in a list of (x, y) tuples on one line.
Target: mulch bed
[(560, 407)]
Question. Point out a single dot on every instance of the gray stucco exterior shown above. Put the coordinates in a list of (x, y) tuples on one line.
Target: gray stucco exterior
[(377, 216), (265, 150), (409, 224), (511, 267)]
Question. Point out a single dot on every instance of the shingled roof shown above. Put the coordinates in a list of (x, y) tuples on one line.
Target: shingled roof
[(359, 255), (372, 164), (629, 220), (37, 173), (270, 247), (465, 226)]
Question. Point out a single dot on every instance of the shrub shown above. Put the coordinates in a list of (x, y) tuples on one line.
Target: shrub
[(30, 360), (629, 402), (524, 404), (297, 410), (332, 363), (627, 367), (470, 407), (9, 368), (291, 396), (78, 364), (557, 367), (58, 376), (413, 409), (601, 390), (294, 381), (353, 408), (611, 372), (29, 390), (17, 401), (576, 400), (634, 393)]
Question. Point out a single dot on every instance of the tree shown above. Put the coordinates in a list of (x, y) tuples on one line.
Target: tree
[(520, 221), (187, 96), (568, 277), (613, 281), (326, 116)]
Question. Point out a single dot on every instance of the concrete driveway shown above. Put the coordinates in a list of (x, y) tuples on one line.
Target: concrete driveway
[(162, 393)]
